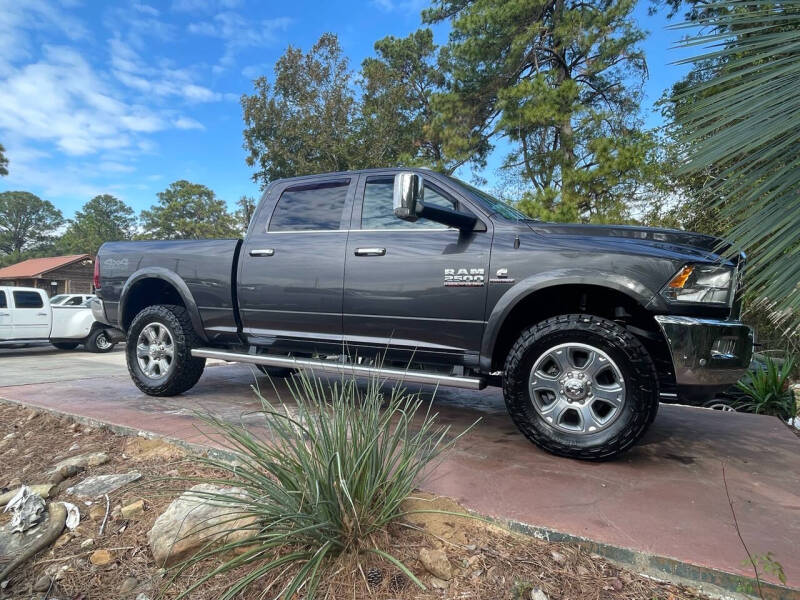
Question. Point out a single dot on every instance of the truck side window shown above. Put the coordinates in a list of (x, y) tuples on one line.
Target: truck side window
[(28, 300), (377, 211), (311, 207), (3, 302)]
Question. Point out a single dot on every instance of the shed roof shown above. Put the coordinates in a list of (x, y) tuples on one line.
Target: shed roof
[(36, 267)]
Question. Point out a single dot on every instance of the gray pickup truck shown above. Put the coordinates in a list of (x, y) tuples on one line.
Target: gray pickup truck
[(414, 275)]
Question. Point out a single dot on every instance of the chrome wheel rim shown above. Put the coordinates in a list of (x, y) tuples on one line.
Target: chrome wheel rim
[(155, 351), (577, 388), (724, 407), (102, 342)]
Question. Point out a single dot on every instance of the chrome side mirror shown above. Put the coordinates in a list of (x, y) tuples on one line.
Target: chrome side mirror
[(408, 195)]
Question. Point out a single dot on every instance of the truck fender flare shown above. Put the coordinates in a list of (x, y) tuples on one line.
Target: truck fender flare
[(176, 282), (522, 289)]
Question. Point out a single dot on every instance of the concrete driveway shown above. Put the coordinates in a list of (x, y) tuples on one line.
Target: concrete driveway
[(663, 506)]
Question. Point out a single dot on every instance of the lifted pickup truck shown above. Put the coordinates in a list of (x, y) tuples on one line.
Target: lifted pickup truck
[(417, 276)]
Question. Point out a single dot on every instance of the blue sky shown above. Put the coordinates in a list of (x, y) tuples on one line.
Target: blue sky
[(126, 97)]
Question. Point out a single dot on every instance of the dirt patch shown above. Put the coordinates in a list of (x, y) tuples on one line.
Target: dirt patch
[(486, 561)]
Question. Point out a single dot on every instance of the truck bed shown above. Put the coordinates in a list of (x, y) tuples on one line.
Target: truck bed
[(206, 267)]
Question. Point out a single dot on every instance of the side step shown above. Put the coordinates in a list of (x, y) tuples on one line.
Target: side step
[(471, 383)]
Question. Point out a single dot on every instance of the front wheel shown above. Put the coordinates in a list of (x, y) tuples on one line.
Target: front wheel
[(159, 351), (99, 342), (580, 386)]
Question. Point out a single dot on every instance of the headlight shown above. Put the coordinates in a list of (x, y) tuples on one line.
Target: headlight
[(701, 283)]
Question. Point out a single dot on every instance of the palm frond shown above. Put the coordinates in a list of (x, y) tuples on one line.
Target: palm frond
[(743, 124)]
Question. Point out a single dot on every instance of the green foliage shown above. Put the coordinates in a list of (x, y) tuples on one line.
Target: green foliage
[(245, 211), (26, 222), (102, 219), (397, 116), (768, 390), (738, 120), (319, 116), (187, 210), (303, 122), (562, 82), (339, 462), (3, 161)]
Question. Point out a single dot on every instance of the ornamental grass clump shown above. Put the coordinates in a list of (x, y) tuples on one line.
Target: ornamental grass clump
[(768, 391), (326, 474)]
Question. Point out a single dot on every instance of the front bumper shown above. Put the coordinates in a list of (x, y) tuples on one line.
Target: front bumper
[(707, 353)]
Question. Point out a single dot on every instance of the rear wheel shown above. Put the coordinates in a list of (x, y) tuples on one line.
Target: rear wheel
[(65, 345), (159, 351), (99, 342), (580, 386)]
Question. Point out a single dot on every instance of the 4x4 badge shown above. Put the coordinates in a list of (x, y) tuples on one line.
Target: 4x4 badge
[(464, 277)]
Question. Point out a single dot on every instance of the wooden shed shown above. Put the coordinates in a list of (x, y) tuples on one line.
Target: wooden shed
[(56, 274)]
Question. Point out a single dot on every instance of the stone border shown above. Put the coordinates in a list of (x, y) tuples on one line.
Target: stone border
[(714, 582)]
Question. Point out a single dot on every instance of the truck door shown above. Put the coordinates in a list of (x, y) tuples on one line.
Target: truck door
[(31, 319), (419, 287), (5, 318), (291, 272)]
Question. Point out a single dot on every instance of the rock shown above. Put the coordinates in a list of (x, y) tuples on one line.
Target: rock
[(42, 584), (15, 549), (436, 563), (538, 594), (101, 558), (133, 509), (87, 543), (439, 584), (81, 461), (128, 585), (191, 521), (97, 512), (558, 557), (94, 487), (142, 597)]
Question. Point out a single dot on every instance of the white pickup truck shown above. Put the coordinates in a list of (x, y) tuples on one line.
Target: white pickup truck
[(26, 316)]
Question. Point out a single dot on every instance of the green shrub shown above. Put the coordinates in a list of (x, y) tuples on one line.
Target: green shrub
[(768, 390), (337, 464)]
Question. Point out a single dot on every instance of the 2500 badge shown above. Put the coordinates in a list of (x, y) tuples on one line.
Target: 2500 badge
[(464, 277)]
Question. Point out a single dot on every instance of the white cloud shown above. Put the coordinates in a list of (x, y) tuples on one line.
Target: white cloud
[(187, 123), (239, 33), (60, 99), (132, 71), (36, 16)]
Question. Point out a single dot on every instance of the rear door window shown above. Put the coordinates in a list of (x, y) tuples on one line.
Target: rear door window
[(28, 300), (311, 207), (3, 301)]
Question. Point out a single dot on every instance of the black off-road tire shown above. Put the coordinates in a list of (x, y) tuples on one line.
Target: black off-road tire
[(188, 369), (631, 357), (65, 345), (276, 372), (99, 342)]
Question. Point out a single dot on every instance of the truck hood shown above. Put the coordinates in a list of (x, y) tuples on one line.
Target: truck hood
[(674, 241)]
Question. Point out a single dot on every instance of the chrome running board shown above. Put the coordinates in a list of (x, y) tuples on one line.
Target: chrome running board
[(325, 366)]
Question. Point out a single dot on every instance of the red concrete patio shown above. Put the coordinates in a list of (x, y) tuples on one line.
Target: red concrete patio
[(667, 497)]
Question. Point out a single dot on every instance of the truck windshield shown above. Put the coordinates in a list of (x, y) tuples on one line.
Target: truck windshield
[(495, 206)]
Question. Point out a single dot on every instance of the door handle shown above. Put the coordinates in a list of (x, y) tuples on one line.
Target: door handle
[(44, 314), (370, 251), (5, 315), (262, 252)]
